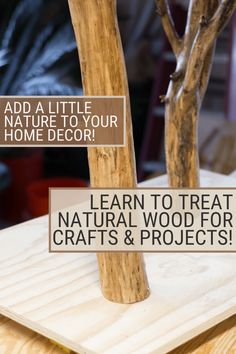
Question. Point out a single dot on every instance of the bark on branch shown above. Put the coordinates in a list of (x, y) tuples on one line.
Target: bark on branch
[(205, 20), (195, 12), (209, 29), (206, 70), (209, 9), (169, 26)]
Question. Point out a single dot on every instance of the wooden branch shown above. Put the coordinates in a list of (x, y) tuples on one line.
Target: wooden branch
[(206, 71), (209, 9), (169, 26), (222, 15), (195, 11), (208, 31), (123, 277)]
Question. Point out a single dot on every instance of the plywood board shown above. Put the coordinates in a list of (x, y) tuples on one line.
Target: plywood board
[(58, 295), (16, 339), (217, 340), (233, 174), (207, 179)]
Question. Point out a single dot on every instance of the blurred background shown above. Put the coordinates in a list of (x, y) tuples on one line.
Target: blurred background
[(38, 56)]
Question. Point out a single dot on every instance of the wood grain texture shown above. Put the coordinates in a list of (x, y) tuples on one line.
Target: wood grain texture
[(217, 340), (58, 295), (122, 275), (16, 339)]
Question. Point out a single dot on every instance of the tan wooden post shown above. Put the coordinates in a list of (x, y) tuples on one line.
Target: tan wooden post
[(122, 275)]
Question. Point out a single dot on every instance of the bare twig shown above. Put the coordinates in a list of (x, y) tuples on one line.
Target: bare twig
[(164, 99), (177, 75), (168, 25), (208, 31)]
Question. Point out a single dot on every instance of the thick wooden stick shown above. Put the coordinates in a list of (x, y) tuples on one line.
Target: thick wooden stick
[(123, 277)]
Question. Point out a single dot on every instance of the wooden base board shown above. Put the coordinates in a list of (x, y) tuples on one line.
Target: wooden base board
[(16, 339), (207, 179), (58, 295)]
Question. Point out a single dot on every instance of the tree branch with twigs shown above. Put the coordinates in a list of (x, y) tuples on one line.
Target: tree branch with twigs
[(194, 55)]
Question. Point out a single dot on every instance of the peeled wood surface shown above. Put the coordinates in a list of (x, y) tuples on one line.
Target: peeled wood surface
[(123, 278), (58, 294)]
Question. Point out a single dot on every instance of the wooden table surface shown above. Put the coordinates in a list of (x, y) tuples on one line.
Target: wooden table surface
[(15, 339)]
